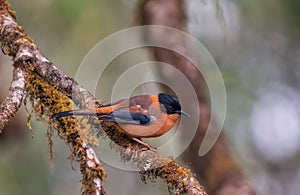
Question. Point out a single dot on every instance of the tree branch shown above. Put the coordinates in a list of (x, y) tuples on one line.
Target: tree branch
[(49, 90), (14, 99)]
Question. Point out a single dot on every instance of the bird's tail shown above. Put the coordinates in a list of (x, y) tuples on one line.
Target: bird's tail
[(80, 112)]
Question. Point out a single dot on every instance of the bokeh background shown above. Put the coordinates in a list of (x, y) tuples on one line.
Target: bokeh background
[(256, 45)]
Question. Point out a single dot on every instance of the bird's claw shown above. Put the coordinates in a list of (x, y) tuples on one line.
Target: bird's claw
[(151, 148), (147, 146)]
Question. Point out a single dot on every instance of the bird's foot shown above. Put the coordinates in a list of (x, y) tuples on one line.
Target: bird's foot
[(148, 147)]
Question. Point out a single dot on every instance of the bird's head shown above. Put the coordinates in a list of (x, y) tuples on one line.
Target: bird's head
[(171, 104)]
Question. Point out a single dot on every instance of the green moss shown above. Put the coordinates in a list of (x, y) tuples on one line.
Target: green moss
[(46, 100)]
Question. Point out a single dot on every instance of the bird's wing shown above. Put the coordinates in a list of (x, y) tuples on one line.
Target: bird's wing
[(134, 110), (144, 101), (134, 104), (127, 117), (114, 103)]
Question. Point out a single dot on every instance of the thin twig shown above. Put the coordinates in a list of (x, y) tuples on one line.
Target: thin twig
[(14, 99)]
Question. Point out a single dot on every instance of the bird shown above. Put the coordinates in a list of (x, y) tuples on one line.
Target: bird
[(142, 116)]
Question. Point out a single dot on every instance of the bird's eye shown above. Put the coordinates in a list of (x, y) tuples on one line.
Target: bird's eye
[(170, 107)]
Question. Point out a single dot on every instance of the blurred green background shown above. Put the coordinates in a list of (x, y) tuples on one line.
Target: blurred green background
[(256, 45)]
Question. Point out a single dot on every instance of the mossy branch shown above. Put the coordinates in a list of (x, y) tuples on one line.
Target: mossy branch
[(50, 91)]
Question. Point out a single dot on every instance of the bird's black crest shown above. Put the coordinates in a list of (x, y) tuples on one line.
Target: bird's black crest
[(171, 103)]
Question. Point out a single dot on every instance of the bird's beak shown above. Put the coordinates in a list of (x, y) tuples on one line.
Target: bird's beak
[(185, 114)]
